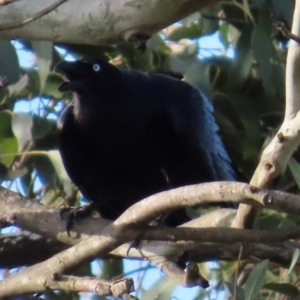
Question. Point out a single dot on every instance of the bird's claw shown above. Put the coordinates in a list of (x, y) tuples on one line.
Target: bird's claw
[(73, 214)]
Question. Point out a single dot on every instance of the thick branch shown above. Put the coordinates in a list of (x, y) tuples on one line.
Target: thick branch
[(280, 252), (32, 216), (292, 80), (94, 22), (11, 245)]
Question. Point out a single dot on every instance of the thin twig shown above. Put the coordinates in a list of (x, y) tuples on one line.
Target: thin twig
[(236, 273), (228, 20), (33, 17), (286, 32)]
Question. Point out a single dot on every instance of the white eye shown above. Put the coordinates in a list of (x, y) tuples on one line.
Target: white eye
[(96, 67)]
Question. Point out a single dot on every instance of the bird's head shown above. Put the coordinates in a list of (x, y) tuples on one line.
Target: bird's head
[(79, 72)]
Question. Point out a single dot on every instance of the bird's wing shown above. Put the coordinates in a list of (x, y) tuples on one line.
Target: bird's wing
[(191, 112), (196, 117), (212, 142)]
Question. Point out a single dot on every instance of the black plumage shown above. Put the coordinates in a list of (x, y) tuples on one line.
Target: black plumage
[(128, 135)]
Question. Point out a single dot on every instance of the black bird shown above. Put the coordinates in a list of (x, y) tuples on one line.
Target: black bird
[(128, 135)]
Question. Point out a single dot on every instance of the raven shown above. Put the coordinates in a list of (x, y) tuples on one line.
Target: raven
[(128, 135)]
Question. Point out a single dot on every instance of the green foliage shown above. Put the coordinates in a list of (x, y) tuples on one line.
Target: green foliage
[(282, 288), (9, 64), (111, 268), (295, 169), (255, 279)]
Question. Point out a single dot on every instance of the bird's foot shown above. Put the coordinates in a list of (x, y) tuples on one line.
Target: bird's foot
[(73, 214), (158, 222)]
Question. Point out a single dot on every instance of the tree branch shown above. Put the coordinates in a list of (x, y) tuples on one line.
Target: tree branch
[(116, 288), (94, 22), (277, 154), (11, 245), (32, 18), (121, 230), (280, 253)]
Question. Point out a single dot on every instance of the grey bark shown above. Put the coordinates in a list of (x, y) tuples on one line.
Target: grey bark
[(93, 21)]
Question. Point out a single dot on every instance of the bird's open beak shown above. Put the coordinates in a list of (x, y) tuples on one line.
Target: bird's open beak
[(71, 71)]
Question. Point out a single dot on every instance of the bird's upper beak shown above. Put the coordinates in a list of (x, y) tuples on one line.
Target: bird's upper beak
[(72, 71)]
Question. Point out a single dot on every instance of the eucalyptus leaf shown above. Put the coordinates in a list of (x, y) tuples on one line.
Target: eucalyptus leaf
[(18, 86), (21, 127), (60, 170), (9, 148), (295, 169), (255, 280), (5, 124), (240, 294), (41, 126), (43, 51), (264, 52), (192, 31), (294, 261), (9, 62), (282, 288)]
